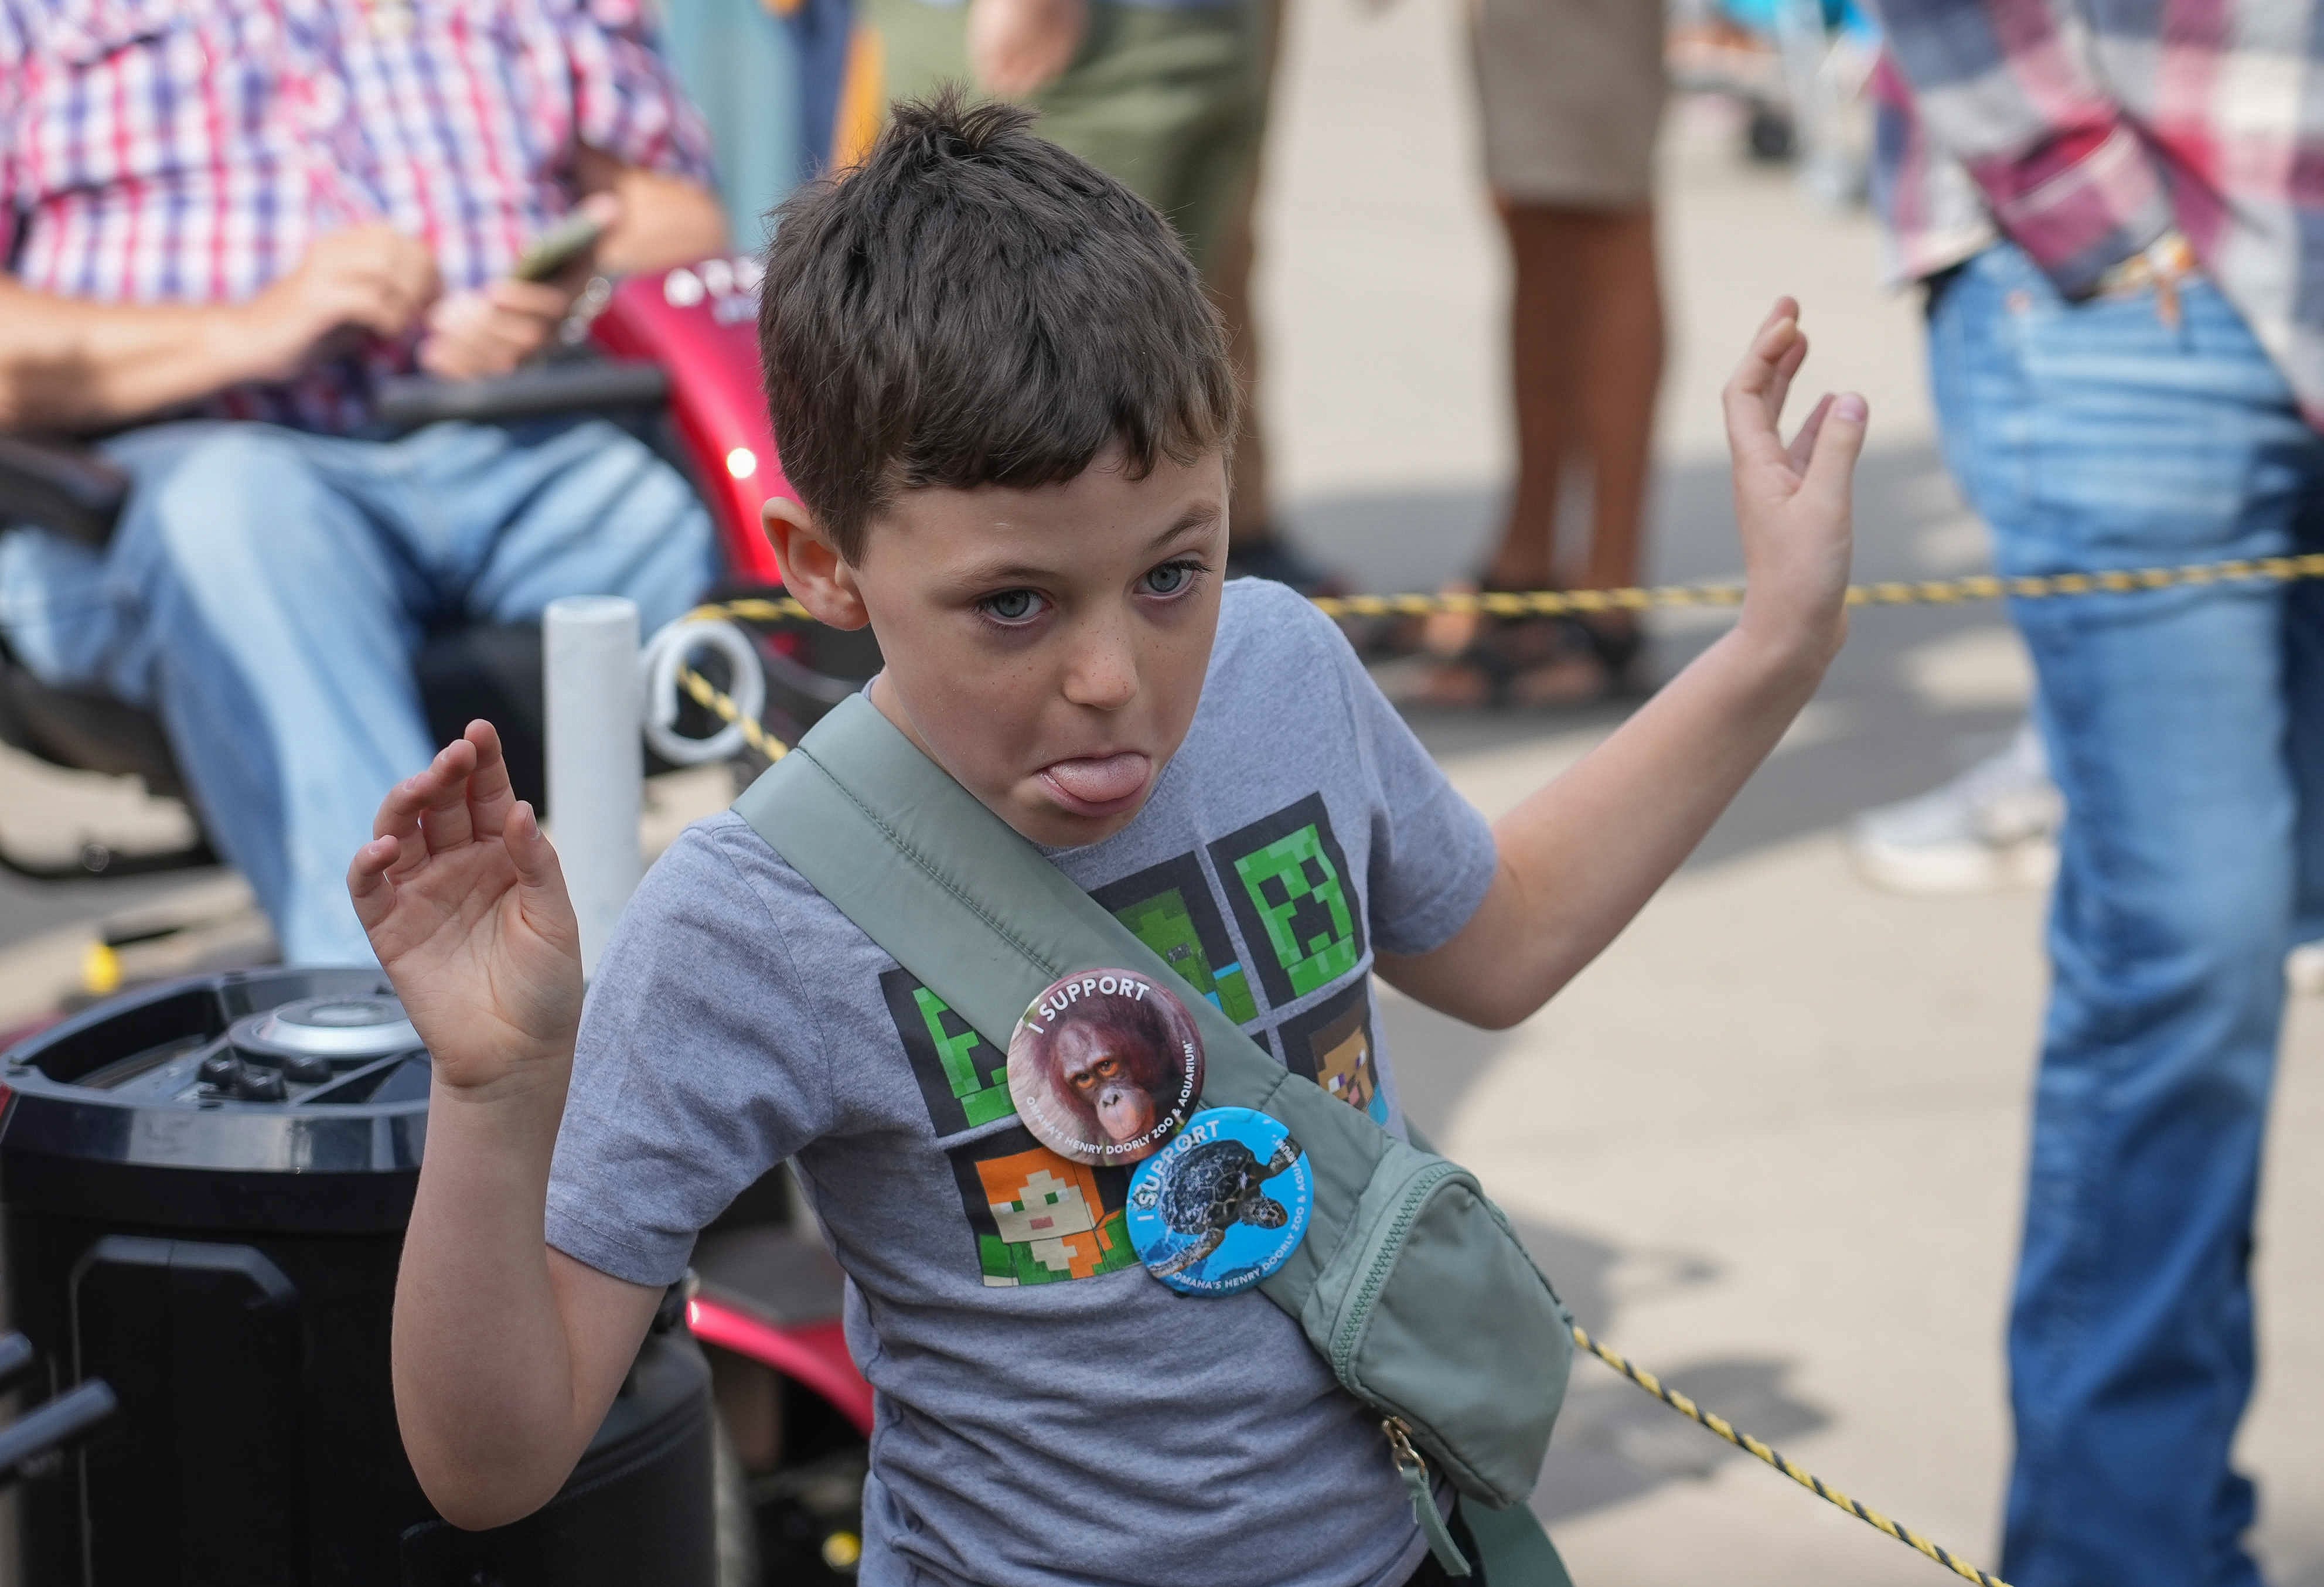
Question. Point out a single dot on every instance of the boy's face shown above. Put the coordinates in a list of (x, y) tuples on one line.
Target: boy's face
[(1046, 647)]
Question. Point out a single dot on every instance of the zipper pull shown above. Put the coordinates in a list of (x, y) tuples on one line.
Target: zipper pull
[(1414, 1468)]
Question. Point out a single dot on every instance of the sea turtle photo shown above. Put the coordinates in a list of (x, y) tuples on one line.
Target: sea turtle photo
[(1213, 1187)]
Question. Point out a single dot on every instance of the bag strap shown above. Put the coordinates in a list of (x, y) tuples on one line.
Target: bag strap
[(986, 922)]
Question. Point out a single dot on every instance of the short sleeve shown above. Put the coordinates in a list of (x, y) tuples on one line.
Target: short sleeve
[(1433, 856), (627, 101), (700, 1066)]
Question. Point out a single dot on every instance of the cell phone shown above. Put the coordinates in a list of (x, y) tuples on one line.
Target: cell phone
[(560, 246)]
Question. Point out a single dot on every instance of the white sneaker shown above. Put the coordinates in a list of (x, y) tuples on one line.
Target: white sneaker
[(1993, 826)]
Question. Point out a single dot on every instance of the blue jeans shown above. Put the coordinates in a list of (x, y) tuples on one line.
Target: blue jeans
[(2186, 728), (266, 591)]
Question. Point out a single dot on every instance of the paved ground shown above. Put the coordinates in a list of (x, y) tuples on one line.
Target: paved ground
[(1771, 1144)]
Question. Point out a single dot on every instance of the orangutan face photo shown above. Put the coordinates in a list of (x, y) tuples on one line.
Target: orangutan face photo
[(1104, 1067), (1110, 1076)]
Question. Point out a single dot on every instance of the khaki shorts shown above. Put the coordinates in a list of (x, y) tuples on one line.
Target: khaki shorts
[(1171, 103), (1572, 94)]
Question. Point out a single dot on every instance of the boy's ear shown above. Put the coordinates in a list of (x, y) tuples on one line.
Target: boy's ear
[(812, 570)]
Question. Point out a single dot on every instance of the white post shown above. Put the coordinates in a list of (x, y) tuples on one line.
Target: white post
[(596, 762)]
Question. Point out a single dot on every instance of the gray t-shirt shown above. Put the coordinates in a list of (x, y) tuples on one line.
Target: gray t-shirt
[(1048, 1413)]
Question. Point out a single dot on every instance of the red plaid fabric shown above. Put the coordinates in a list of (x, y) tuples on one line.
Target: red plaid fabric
[(189, 151), (2085, 129)]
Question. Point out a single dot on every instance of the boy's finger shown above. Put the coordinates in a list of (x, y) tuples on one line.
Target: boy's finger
[(399, 819), (1786, 366), (368, 885), (1750, 421), (445, 818), (539, 876), (491, 795), (534, 856), (1783, 308), (1832, 467), (1802, 446)]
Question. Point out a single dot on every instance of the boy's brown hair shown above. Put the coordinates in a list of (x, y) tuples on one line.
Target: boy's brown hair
[(973, 305)]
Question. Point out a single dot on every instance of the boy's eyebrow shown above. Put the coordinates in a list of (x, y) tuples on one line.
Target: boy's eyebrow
[(1202, 515)]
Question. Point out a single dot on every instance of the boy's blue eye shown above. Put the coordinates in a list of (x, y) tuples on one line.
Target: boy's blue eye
[(1171, 578), (1012, 605)]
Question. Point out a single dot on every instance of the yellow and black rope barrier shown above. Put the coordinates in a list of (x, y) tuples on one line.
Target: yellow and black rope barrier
[(1924, 592), (1797, 1473), (1921, 592), (711, 698)]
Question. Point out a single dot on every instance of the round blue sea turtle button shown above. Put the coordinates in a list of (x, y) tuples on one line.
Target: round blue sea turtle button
[(1224, 1205)]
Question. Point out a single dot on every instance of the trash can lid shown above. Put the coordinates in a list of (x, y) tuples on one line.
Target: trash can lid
[(268, 1072)]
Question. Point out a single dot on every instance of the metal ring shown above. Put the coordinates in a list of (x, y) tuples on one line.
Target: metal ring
[(674, 646)]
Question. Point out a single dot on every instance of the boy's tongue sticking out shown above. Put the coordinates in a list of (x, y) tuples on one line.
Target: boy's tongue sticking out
[(1098, 785)]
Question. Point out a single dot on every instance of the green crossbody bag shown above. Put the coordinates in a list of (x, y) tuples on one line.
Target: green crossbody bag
[(1409, 1282)]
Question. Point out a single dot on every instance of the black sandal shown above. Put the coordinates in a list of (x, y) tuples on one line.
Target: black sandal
[(1507, 652)]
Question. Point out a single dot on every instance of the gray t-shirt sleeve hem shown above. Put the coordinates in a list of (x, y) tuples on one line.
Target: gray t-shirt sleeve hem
[(1441, 824), (1425, 928), (593, 1247)]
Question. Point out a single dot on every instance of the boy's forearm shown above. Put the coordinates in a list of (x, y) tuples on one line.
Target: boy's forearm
[(1580, 857), (484, 1385)]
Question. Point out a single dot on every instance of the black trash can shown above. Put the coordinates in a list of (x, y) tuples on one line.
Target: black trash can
[(203, 1188)]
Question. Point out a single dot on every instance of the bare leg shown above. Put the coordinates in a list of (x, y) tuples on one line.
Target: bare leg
[(1616, 378), (1585, 362), (1586, 348), (1546, 305)]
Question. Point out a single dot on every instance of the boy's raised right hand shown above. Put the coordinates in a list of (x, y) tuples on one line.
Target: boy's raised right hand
[(467, 909)]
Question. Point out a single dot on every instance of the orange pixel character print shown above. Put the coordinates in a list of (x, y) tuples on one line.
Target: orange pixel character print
[(1050, 1220)]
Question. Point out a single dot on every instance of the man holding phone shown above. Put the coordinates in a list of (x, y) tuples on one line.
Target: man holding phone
[(222, 222)]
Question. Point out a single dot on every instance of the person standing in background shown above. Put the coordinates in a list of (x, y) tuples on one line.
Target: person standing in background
[(2125, 260), (1170, 98), (1571, 95)]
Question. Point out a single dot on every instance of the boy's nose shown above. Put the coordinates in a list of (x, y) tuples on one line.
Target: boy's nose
[(1103, 672)]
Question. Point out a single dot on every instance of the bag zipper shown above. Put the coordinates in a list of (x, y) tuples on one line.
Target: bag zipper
[(1383, 1259), (1413, 1466)]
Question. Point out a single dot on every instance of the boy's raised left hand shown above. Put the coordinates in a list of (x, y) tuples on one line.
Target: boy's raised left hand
[(1791, 502)]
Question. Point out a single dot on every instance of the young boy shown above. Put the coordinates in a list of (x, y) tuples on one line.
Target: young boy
[(1004, 404)]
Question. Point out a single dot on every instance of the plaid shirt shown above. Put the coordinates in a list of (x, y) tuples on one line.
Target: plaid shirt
[(2086, 129), (189, 151)]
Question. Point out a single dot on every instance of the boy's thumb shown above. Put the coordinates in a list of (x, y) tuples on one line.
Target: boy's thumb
[(1838, 446), (530, 849)]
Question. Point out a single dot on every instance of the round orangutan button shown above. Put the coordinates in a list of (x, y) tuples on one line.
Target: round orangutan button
[(1224, 1205), (1105, 1066)]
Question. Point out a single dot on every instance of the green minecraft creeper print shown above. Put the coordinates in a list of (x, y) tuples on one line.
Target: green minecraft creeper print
[(1289, 881), (963, 1078), (956, 1051), (1308, 922), (1169, 908)]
